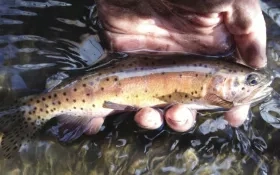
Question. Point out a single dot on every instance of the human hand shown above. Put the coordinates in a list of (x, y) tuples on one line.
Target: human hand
[(198, 27)]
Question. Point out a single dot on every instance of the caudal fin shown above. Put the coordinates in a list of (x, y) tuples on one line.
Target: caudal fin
[(16, 129)]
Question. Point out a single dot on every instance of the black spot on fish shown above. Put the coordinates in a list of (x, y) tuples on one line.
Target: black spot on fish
[(162, 73), (55, 95), (28, 118), (84, 85), (74, 100), (107, 79), (83, 101), (75, 89), (88, 94), (206, 75), (59, 102), (191, 99), (30, 112), (180, 75), (169, 96), (196, 75), (243, 88), (43, 98), (39, 117), (91, 83), (93, 105), (38, 101), (67, 99), (64, 93), (49, 97), (205, 66), (192, 93), (116, 79), (74, 107), (41, 109), (47, 111), (102, 88), (82, 108), (195, 92), (201, 88), (200, 64), (194, 65), (31, 99), (236, 82)]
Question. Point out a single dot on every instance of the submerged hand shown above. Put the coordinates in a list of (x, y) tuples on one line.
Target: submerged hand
[(198, 27)]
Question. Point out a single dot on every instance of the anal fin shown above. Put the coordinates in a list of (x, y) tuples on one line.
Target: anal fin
[(70, 128)]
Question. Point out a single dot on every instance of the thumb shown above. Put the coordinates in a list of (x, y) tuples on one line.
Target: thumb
[(246, 23)]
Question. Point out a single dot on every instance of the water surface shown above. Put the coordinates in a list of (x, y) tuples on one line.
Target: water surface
[(47, 39)]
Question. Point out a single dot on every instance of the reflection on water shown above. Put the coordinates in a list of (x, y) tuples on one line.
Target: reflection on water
[(47, 39)]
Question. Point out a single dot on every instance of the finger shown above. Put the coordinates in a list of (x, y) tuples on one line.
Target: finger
[(180, 118), (149, 118), (246, 22), (95, 125), (236, 116)]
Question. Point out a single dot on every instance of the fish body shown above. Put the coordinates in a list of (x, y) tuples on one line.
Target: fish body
[(199, 83)]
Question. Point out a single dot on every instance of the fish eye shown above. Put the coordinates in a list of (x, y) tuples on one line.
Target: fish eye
[(252, 79)]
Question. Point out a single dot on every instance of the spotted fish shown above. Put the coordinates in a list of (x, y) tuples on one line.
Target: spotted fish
[(132, 84)]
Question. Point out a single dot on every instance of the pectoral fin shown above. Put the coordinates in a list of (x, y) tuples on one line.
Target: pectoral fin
[(218, 101)]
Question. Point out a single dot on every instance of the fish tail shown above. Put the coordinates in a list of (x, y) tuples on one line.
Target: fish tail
[(17, 128)]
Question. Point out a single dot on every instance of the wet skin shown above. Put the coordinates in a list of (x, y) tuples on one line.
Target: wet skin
[(199, 27)]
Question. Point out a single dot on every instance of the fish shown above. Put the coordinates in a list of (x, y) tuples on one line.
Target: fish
[(129, 85)]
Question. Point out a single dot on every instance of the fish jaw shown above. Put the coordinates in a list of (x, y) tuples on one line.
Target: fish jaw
[(257, 97)]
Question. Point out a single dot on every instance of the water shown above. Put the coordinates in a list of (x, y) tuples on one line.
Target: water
[(46, 39)]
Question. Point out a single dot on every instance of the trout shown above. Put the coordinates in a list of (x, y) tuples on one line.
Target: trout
[(133, 83)]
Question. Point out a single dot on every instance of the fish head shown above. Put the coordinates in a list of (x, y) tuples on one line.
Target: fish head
[(244, 86)]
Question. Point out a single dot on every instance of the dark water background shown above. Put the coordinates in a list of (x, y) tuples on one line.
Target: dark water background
[(39, 39)]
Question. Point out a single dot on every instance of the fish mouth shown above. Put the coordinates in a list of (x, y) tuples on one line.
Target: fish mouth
[(261, 94), (264, 89)]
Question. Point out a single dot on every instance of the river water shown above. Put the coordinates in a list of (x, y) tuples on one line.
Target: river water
[(49, 40)]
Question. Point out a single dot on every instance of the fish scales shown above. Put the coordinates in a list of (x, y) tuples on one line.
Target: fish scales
[(134, 82)]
